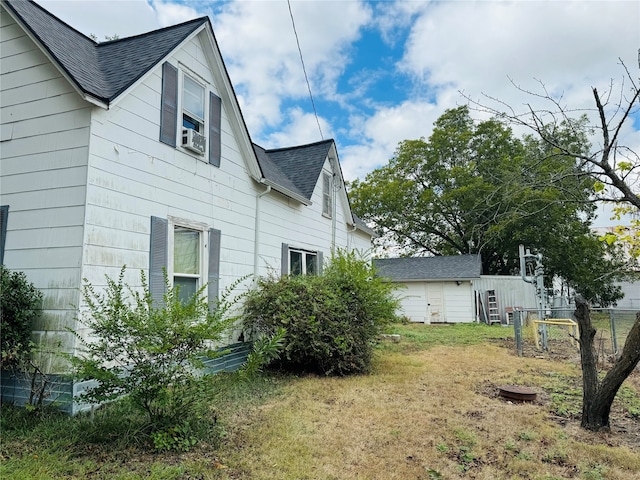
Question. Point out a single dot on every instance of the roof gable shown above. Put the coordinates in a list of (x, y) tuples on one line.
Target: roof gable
[(455, 267), (101, 70), (299, 166)]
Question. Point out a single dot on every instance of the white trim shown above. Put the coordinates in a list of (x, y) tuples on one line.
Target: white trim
[(203, 230)]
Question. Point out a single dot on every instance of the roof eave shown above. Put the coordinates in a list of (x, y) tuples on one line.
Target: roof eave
[(286, 192)]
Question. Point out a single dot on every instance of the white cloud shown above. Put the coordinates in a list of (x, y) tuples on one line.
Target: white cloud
[(105, 18), (381, 133), (260, 50), (172, 13), (300, 128)]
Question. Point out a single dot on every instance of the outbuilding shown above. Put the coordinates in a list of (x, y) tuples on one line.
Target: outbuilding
[(434, 289)]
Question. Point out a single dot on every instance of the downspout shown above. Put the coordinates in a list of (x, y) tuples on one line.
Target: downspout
[(256, 246)]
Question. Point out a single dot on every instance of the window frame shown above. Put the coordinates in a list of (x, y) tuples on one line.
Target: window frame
[(203, 252), (327, 197), (182, 112), (304, 254)]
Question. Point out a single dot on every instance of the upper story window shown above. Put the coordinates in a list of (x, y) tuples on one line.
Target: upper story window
[(192, 105), (326, 195), (190, 116)]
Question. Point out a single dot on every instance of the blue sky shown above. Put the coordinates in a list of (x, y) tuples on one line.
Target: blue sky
[(384, 71)]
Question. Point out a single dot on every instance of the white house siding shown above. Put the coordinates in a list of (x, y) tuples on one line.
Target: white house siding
[(286, 221), (133, 177), (436, 301), (45, 135)]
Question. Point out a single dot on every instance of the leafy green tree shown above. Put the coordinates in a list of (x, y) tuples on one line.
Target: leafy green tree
[(613, 166), (476, 188)]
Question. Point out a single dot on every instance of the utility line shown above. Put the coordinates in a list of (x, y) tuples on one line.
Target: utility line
[(304, 70)]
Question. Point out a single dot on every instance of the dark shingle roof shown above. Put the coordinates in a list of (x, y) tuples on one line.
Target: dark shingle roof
[(295, 168), (103, 70), (456, 267)]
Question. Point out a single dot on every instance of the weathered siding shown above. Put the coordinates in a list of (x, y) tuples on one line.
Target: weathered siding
[(510, 292), (44, 148)]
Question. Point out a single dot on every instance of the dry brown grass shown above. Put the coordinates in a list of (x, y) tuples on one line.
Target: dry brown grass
[(424, 415)]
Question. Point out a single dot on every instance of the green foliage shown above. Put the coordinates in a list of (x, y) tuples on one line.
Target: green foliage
[(149, 352), (20, 304), (476, 188), (331, 320)]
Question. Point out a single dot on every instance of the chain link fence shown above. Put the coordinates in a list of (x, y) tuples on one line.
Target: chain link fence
[(559, 331)]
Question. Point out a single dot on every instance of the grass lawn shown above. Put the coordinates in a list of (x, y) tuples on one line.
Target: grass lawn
[(429, 410)]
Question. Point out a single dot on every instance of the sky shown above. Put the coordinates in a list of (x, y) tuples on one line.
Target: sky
[(381, 72)]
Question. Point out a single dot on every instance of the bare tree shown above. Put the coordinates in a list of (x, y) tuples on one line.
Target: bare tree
[(616, 170)]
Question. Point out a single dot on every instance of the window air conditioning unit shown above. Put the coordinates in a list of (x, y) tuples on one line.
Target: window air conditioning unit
[(192, 140)]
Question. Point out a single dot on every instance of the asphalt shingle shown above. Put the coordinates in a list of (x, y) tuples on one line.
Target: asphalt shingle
[(455, 267)]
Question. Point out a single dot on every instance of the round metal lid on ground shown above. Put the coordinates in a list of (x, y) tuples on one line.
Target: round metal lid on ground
[(518, 393)]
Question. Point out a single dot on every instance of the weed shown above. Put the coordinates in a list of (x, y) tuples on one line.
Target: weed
[(434, 474), (524, 456), (527, 436), (595, 472), (442, 447), (510, 445)]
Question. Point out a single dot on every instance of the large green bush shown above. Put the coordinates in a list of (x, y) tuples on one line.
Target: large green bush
[(149, 352), (20, 304), (332, 320)]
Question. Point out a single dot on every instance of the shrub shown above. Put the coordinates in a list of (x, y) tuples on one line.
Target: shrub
[(331, 320), (150, 353), (20, 305)]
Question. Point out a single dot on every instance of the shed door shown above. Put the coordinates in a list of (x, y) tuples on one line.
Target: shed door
[(435, 310)]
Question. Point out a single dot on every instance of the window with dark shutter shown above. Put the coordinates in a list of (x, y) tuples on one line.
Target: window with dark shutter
[(215, 137), (4, 216), (169, 105)]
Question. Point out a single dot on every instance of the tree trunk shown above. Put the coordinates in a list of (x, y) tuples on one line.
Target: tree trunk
[(598, 396)]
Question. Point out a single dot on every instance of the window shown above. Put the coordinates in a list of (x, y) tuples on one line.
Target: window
[(188, 253), (297, 261), (192, 105), (326, 194), (186, 261), (199, 126)]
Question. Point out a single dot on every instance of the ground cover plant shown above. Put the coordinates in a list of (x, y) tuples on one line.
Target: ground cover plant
[(429, 409)]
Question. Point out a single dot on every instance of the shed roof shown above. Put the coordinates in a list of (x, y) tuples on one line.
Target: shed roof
[(455, 267)]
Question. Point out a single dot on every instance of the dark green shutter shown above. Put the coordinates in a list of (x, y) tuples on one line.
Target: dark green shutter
[(215, 121), (284, 262), (169, 104), (4, 216), (213, 284), (158, 259)]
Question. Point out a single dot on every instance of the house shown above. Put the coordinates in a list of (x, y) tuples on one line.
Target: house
[(451, 289), (135, 152)]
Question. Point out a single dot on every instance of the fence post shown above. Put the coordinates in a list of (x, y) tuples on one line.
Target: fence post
[(517, 327)]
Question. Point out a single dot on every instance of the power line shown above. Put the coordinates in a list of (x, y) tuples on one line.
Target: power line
[(304, 70)]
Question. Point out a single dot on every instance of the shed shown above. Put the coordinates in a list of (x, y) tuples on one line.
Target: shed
[(434, 289)]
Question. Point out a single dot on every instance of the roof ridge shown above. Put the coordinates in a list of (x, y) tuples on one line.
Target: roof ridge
[(313, 144), (151, 32)]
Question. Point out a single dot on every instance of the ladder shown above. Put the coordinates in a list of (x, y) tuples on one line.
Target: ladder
[(492, 307)]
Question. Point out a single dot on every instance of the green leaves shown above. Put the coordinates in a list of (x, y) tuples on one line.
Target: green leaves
[(148, 352)]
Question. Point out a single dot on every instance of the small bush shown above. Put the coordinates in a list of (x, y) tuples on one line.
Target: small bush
[(150, 353), (20, 305), (331, 320)]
